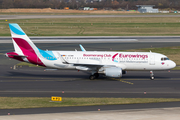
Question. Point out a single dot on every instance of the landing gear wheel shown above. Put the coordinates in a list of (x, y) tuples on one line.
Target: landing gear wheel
[(151, 75), (152, 78), (96, 75), (91, 77)]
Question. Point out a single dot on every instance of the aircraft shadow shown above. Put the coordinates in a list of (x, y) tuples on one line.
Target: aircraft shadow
[(44, 75), (80, 76)]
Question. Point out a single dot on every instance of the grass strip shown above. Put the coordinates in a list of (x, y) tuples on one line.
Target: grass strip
[(26, 64), (176, 68), (136, 26), (39, 102)]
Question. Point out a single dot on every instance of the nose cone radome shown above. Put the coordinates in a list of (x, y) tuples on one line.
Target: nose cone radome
[(173, 64)]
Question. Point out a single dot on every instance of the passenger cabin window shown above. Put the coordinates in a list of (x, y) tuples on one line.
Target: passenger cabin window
[(165, 58)]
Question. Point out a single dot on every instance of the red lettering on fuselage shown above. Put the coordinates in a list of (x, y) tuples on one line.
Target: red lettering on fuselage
[(132, 56), (121, 55), (107, 55)]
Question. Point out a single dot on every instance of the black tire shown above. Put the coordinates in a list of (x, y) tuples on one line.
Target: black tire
[(96, 75), (91, 77), (152, 78)]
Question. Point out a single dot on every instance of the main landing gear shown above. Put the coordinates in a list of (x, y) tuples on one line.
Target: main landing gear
[(94, 76), (151, 75)]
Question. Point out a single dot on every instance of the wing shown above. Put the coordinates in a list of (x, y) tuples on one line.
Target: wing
[(90, 66)]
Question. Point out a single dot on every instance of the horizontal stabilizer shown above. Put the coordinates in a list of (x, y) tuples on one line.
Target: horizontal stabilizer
[(13, 54), (18, 55)]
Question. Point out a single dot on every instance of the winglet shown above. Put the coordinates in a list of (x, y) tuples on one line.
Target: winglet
[(82, 48)]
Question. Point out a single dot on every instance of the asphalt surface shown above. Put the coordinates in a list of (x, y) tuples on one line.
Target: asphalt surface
[(36, 82), (89, 108), (6, 47), (4, 17)]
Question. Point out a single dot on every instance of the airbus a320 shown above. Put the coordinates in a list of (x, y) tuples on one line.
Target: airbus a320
[(110, 64)]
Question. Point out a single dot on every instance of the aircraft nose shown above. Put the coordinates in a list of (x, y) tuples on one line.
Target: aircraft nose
[(173, 64)]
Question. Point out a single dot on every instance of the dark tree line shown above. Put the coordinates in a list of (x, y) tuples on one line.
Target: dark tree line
[(100, 4)]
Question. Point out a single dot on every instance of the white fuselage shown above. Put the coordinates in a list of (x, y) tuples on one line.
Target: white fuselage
[(124, 60)]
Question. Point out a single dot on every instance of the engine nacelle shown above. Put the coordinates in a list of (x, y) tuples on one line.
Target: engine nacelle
[(113, 72)]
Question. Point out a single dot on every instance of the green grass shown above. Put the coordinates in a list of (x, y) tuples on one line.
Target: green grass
[(39, 102), (139, 26), (26, 64), (176, 68)]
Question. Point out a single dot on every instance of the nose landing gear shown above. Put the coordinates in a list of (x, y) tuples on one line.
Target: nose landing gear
[(151, 75)]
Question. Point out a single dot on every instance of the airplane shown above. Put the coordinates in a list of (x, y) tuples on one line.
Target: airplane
[(110, 64)]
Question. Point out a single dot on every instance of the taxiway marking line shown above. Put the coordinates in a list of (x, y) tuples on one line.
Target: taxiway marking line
[(124, 81)]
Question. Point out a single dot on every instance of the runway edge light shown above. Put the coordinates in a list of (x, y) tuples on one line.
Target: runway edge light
[(56, 98)]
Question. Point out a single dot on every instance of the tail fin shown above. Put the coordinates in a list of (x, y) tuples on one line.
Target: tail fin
[(20, 39), (23, 45)]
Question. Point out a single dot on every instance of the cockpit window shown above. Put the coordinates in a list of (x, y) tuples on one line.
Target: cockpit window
[(165, 58)]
